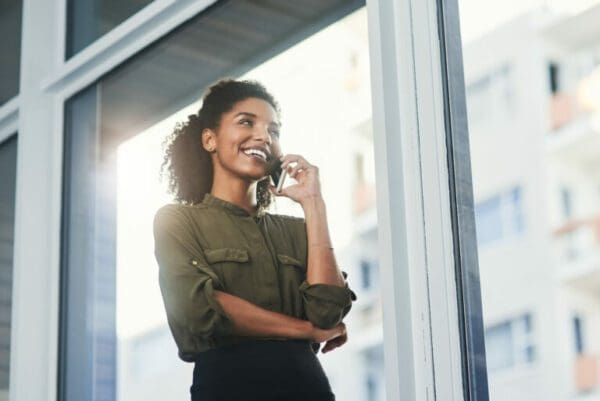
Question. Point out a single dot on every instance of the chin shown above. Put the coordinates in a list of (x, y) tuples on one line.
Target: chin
[(251, 176)]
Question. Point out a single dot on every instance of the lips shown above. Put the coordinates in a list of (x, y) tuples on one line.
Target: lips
[(257, 153)]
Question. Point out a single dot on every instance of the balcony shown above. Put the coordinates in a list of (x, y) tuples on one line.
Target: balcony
[(575, 123), (587, 373), (577, 246)]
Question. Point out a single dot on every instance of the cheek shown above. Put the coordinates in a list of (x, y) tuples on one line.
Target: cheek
[(276, 148)]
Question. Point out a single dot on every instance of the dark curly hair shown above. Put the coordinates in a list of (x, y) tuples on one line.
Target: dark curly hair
[(187, 164)]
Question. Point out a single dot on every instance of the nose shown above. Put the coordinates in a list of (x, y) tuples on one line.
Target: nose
[(263, 133)]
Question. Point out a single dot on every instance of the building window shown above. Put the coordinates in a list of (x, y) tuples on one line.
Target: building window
[(578, 335), (566, 198), (509, 344), (490, 98), (500, 216), (553, 77), (365, 273)]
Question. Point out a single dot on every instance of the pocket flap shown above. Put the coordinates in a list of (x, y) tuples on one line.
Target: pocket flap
[(288, 260), (226, 255)]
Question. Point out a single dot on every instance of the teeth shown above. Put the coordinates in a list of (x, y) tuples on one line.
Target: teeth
[(257, 152)]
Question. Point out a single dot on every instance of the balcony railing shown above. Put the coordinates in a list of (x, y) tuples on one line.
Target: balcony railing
[(587, 373), (583, 98), (578, 239)]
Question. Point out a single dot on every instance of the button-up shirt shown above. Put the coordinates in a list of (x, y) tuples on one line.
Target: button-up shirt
[(262, 258)]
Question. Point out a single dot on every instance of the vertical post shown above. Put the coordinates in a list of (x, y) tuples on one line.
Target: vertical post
[(37, 222), (475, 382), (417, 231)]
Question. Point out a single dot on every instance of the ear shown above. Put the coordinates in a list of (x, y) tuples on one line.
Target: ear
[(209, 140)]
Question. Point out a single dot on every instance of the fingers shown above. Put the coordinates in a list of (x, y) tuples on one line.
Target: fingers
[(301, 163), (335, 343)]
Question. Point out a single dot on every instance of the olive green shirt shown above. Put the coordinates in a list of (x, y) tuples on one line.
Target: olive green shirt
[(218, 245)]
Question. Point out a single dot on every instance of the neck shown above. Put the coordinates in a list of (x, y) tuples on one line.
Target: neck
[(235, 190)]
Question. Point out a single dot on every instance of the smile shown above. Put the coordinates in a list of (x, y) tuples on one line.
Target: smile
[(256, 154)]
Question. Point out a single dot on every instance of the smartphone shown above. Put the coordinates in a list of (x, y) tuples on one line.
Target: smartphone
[(277, 174)]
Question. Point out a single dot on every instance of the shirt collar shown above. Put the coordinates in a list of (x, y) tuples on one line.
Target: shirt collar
[(212, 200)]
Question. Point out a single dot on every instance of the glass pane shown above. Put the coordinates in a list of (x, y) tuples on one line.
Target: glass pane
[(87, 20), (113, 154), (8, 166), (10, 56), (532, 81)]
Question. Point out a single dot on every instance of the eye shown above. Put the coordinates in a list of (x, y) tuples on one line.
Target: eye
[(246, 122), (275, 133)]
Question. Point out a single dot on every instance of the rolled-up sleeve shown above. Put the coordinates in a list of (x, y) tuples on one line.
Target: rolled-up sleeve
[(186, 281), (326, 305)]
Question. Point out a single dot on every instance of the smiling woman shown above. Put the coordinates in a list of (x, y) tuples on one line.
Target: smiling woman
[(239, 283)]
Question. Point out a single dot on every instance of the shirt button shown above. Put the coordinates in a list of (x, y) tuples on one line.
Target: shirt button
[(194, 262)]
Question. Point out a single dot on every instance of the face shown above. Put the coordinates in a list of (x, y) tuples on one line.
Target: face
[(247, 135)]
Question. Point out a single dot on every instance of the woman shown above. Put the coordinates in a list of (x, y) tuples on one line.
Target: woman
[(249, 295)]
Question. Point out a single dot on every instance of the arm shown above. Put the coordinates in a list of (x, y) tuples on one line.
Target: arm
[(249, 319), (322, 267), (325, 293)]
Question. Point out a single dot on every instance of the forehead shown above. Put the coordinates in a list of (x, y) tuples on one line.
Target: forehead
[(259, 107)]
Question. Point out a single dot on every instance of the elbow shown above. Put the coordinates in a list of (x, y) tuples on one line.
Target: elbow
[(326, 317), (326, 305)]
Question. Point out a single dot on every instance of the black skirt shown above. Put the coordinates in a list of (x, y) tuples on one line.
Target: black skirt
[(262, 370)]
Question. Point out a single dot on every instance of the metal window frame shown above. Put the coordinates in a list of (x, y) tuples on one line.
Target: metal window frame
[(426, 227), (429, 263)]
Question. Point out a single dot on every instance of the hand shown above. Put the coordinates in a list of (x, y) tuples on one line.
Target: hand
[(307, 176), (335, 342), (334, 337)]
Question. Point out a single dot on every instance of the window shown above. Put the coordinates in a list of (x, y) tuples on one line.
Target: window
[(374, 386), (566, 198), (489, 98), (87, 20), (365, 273), (578, 335), (8, 166), (509, 344), (107, 273), (499, 216), (553, 77), (10, 56)]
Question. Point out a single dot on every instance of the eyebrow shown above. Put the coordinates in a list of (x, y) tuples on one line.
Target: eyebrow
[(245, 113)]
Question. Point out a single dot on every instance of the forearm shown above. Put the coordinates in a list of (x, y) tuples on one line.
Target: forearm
[(251, 320), (321, 266)]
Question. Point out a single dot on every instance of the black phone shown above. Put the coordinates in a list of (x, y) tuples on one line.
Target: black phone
[(276, 172)]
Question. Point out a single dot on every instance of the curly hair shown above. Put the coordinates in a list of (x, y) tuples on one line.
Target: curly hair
[(187, 164)]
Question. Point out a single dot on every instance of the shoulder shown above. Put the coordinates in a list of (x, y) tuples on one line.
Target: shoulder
[(176, 213)]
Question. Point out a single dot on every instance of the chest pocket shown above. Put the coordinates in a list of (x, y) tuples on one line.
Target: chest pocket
[(291, 274), (290, 261), (233, 267), (226, 255)]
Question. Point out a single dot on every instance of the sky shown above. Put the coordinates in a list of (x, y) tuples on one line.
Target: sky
[(478, 16)]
